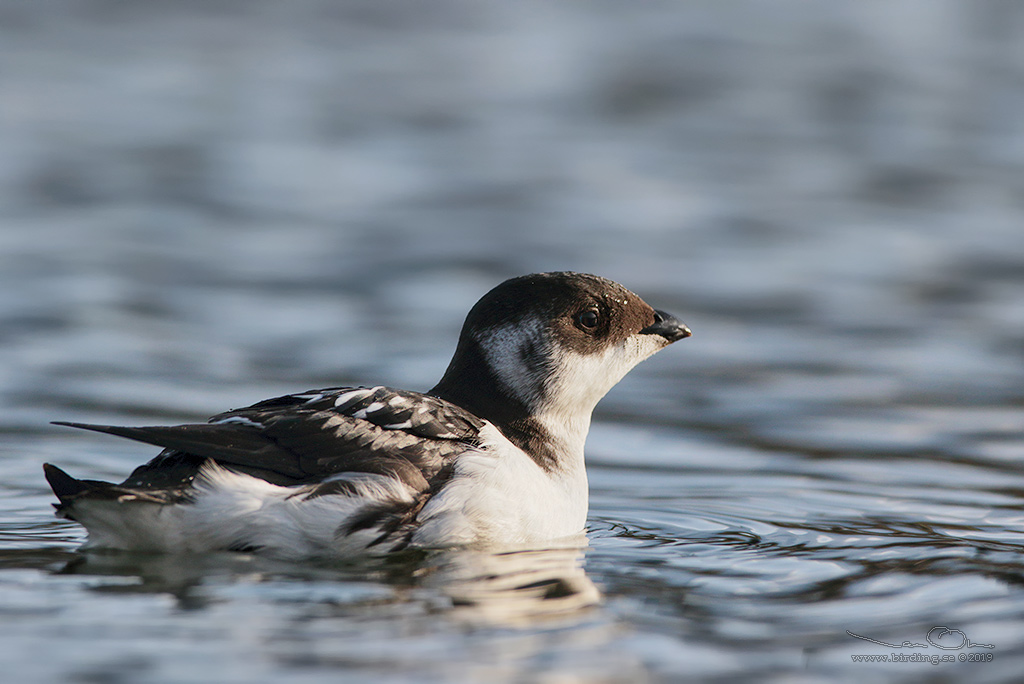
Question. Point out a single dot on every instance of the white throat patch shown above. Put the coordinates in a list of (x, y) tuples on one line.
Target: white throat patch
[(578, 381)]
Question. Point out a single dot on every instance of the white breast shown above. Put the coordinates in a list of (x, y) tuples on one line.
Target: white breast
[(499, 495)]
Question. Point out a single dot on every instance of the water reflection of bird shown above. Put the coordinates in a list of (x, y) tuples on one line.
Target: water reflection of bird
[(493, 454), (515, 588)]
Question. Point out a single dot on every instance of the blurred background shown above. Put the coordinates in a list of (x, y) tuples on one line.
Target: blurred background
[(203, 204)]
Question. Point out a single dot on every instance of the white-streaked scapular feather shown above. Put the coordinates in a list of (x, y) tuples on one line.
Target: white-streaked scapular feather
[(492, 455)]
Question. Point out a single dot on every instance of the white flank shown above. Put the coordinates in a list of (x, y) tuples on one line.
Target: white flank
[(232, 510)]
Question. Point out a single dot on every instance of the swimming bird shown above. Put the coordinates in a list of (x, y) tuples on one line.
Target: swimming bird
[(491, 456)]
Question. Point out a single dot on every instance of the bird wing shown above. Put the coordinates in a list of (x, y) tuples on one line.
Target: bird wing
[(304, 438)]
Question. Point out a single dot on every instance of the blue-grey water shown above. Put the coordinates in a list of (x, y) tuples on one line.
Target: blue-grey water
[(206, 204)]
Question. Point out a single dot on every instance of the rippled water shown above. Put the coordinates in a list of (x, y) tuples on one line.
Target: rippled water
[(206, 206)]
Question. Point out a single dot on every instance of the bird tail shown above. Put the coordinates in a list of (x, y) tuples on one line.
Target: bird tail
[(69, 489)]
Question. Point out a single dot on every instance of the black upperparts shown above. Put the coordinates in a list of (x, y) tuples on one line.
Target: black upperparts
[(302, 439)]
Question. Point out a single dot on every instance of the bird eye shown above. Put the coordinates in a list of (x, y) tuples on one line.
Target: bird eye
[(588, 319)]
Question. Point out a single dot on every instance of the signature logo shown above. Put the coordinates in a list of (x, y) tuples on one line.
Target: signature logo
[(940, 637)]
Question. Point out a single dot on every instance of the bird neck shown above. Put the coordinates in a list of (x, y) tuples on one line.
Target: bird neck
[(554, 441)]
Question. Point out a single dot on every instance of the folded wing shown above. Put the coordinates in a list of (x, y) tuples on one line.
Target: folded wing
[(299, 439)]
